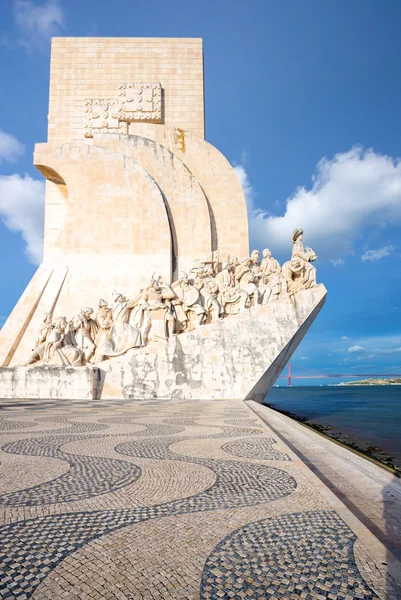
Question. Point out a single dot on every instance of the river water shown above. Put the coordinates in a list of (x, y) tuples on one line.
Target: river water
[(366, 415)]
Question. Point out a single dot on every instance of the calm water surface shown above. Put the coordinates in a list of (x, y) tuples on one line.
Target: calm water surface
[(367, 414)]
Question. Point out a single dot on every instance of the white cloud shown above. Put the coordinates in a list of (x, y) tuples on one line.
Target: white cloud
[(387, 350), (304, 358), (355, 349), (349, 192), (378, 254), (345, 337), (38, 23), (337, 262), (21, 209), (10, 148), (248, 190)]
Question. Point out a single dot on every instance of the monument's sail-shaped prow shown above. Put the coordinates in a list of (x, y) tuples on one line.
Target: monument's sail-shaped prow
[(145, 234)]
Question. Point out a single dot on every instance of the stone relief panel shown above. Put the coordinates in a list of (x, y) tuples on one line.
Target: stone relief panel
[(210, 292), (141, 102), (104, 116), (135, 102)]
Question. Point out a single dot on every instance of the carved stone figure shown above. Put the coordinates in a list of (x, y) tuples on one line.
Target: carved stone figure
[(153, 315), (160, 310), (247, 277), (306, 256), (210, 295), (122, 336), (293, 273), (139, 317), (188, 307), (254, 264), (104, 320), (269, 265), (271, 278), (57, 350), (199, 275), (83, 331), (168, 295), (45, 328), (232, 299), (265, 290)]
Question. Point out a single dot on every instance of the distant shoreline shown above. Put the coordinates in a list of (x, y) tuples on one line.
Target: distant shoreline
[(389, 381), (373, 453)]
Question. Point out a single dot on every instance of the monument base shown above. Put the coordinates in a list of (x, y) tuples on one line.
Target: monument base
[(239, 357), (49, 382)]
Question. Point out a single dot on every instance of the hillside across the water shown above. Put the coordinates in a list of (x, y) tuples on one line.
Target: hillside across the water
[(393, 381)]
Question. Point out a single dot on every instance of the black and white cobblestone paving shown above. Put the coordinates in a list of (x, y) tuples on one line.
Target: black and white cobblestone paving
[(305, 554)]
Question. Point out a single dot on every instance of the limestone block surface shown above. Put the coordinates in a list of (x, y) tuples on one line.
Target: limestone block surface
[(229, 217), (239, 357), (116, 229), (92, 68), (186, 202), (59, 383)]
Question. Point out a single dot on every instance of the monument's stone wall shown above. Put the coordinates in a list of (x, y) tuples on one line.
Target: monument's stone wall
[(85, 69), (229, 217), (99, 69), (94, 68), (51, 382), (239, 357)]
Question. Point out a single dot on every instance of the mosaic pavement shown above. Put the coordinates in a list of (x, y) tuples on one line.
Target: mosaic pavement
[(156, 500)]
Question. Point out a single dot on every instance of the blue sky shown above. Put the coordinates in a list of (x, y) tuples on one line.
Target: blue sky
[(303, 97)]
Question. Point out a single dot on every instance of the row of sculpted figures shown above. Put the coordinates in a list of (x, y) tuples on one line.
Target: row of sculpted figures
[(161, 310)]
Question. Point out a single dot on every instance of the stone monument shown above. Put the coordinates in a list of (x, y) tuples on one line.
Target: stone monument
[(147, 288)]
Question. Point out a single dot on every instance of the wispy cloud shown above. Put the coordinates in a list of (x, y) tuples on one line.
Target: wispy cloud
[(22, 210), (37, 23), (349, 192), (387, 350), (374, 255), (376, 345), (356, 349), (247, 188), (345, 337), (338, 262), (10, 148)]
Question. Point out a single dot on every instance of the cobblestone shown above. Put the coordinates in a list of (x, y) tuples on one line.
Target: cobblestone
[(165, 500)]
